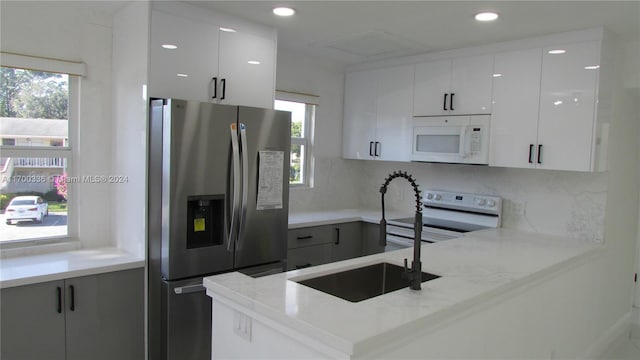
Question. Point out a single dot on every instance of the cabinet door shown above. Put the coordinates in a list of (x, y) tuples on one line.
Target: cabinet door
[(360, 115), (371, 238), (247, 69), (432, 82), (187, 71), (32, 318), (516, 98), (105, 316), (471, 80), (567, 107), (347, 241), (394, 105)]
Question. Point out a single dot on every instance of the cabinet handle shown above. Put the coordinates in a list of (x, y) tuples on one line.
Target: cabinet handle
[(72, 306), (378, 145), (59, 296), (539, 153), (451, 102), (304, 237), (298, 267), (531, 153), (444, 103), (214, 81), (223, 82), (337, 236), (370, 148)]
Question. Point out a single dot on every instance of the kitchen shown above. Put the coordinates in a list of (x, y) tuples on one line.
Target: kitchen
[(579, 200)]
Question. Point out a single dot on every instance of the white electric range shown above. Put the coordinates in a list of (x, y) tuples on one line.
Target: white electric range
[(446, 215)]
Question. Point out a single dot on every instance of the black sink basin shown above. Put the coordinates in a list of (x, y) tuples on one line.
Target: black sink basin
[(363, 283)]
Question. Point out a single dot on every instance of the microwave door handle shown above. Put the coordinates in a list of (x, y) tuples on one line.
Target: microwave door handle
[(463, 142)]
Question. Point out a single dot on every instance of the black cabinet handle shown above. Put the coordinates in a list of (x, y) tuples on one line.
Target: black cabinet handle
[(377, 153), (451, 102), (370, 148), (224, 88), (540, 154), (59, 296), (304, 237), (298, 267), (530, 153), (72, 306), (214, 80), (337, 236), (444, 103)]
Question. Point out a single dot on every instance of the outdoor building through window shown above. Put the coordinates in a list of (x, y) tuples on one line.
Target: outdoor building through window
[(35, 154), (302, 108)]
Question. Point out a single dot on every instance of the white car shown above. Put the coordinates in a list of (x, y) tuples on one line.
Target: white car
[(26, 208)]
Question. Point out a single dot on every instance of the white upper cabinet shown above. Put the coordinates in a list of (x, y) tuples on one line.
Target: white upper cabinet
[(461, 86), (566, 128), (208, 63), (514, 117), (377, 114)]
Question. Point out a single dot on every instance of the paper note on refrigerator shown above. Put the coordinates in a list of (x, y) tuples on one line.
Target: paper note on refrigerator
[(270, 172)]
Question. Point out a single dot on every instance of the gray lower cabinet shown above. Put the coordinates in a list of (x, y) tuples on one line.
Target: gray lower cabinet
[(316, 245), (90, 317)]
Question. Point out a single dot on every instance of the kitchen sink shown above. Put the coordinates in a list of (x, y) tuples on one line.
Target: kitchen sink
[(364, 282)]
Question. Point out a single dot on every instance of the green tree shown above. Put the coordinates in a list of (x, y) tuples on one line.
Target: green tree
[(33, 94), (296, 129)]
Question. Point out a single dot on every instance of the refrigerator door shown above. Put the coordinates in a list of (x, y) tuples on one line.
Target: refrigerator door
[(186, 320), (265, 137), (196, 190)]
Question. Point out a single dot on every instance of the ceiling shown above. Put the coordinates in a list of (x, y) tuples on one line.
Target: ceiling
[(348, 32)]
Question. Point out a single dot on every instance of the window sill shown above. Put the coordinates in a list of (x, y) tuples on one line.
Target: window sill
[(20, 248)]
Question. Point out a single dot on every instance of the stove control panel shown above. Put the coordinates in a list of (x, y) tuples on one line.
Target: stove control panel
[(462, 201)]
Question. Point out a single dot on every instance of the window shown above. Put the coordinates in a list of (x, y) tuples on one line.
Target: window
[(302, 108), (34, 127)]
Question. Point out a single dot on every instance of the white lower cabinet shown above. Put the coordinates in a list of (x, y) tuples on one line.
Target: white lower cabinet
[(90, 317), (378, 113)]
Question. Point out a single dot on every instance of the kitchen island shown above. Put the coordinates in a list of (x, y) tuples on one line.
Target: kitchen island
[(501, 294)]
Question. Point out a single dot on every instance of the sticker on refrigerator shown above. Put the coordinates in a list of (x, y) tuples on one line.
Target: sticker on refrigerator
[(270, 170), (198, 224)]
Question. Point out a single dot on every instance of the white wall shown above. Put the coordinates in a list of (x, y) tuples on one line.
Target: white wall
[(130, 63), (335, 179), (77, 32)]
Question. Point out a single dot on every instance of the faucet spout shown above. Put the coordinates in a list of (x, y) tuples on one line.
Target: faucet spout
[(414, 275)]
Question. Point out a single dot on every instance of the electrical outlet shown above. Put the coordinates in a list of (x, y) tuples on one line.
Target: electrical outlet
[(517, 208), (242, 325)]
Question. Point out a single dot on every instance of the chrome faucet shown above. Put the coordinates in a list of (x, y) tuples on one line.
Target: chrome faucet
[(414, 275)]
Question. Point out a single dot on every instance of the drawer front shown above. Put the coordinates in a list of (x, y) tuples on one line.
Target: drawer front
[(309, 236), (308, 256)]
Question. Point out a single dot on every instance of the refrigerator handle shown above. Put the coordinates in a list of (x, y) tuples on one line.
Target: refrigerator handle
[(236, 187), (245, 185), (189, 289)]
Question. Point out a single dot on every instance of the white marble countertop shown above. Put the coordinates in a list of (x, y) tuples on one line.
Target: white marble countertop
[(317, 218), (473, 270), (25, 270)]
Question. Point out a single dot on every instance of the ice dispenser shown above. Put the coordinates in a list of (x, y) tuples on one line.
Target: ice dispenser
[(205, 221)]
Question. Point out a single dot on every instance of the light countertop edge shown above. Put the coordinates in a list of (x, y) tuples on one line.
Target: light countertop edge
[(32, 269), (248, 294), (328, 217)]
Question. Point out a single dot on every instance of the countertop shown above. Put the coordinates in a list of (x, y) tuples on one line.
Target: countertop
[(25, 270), (474, 269)]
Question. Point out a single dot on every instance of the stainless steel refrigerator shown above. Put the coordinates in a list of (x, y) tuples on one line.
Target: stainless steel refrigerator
[(218, 194)]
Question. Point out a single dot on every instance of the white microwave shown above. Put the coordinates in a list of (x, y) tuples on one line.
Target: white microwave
[(451, 139)]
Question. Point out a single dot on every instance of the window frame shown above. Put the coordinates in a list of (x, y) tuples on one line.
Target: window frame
[(68, 151), (306, 141)]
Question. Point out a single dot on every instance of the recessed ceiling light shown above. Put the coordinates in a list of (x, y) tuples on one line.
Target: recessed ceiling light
[(557, 102), (227, 29), (497, 75), (253, 62), (182, 75), (557, 51), (169, 46), (592, 67), (283, 11), (486, 16)]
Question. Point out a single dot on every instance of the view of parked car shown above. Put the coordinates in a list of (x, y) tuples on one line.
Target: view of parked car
[(26, 208)]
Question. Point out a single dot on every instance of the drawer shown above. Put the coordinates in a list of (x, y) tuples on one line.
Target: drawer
[(308, 256), (314, 235)]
